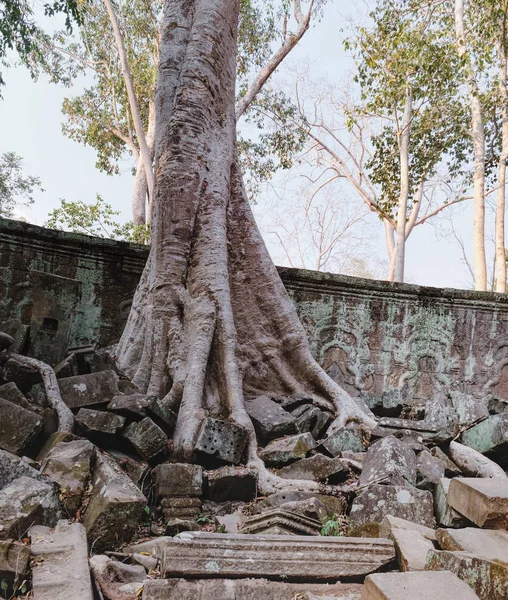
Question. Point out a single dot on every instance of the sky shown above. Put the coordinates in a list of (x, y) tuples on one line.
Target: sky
[(30, 125)]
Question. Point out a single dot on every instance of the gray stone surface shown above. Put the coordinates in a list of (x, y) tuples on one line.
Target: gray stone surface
[(391, 523), (60, 569), (375, 502), (136, 469), (389, 461), (184, 507), (281, 522), (489, 437), (451, 469), (386, 404), (491, 544), (315, 468), (222, 439), (101, 427), (416, 586), (482, 501), (178, 479), (115, 508), (297, 557), (446, 516), (89, 390), (246, 589), (147, 438), (429, 470), (314, 420), (411, 548), (456, 409), (19, 428), (229, 484), (14, 557), (487, 578), (312, 507), (25, 502), (69, 464), (286, 450), (336, 505), (11, 393), (270, 419), (117, 580), (132, 406), (349, 438), (12, 467)]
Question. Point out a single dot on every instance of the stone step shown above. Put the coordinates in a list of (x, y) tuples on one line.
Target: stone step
[(295, 558), (246, 589)]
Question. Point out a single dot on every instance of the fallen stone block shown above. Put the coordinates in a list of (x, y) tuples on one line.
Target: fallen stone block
[(185, 508), (100, 426), (446, 516), (412, 432), (281, 522), (451, 469), (176, 526), (133, 406), (195, 555), (429, 470), (246, 589), (482, 501), (350, 438), (222, 439), (25, 502), (389, 461), (82, 391), (270, 419), (12, 467), (316, 468), (491, 544), (456, 410), (487, 578), (117, 580), (388, 404), (137, 470), (115, 508), (416, 586), (11, 393), (286, 450), (54, 439), (14, 557), (489, 437), (69, 464), (390, 523), (22, 375), (60, 567), (231, 484), (312, 507), (313, 420), (377, 501), (21, 430), (178, 479), (147, 438), (473, 463), (411, 548), (335, 505)]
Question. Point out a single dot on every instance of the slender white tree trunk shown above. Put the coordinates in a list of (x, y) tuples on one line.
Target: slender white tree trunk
[(133, 102), (390, 246), (478, 132), (501, 180), (400, 241)]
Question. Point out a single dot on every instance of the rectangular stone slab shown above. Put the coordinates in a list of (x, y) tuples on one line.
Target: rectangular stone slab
[(491, 544), (416, 586), (482, 501), (245, 589), (297, 558)]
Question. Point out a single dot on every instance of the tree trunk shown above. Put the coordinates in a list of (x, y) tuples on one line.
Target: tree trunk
[(390, 246), (501, 178), (211, 322), (400, 242), (478, 132)]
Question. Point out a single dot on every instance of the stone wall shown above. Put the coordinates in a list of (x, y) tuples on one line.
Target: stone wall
[(61, 290)]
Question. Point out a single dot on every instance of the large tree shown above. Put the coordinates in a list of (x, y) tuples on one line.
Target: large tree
[(211, 323)]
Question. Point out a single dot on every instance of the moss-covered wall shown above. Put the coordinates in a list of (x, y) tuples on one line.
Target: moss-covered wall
[(61, 290)]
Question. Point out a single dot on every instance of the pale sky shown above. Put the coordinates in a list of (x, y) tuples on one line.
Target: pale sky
[(30, 120)]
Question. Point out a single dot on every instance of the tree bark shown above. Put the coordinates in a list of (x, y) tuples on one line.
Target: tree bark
[(400, 241), (211, 322), (478, 133), (501, 179)]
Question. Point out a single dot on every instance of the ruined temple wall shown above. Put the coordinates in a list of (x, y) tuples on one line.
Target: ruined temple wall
[(60, 290)]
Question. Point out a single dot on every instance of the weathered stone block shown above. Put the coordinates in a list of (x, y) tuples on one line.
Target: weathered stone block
[(377, 501), (281, 522), (487, 578), (231, 484), (25, 502), (312, 507), (389, 461), (482, 501), (411, 548), (100, 426), (52, 441), (387, 404), (14, 557), (147, 438), (178, 479), (223, 440), (19, 428), (429, 470), (351, 438), (491, 544), (12, 467), (69, 464), (446, 516), (117, 580), (132, 406), (115, 507), (390, 523), (315, 468), (489, 437), (135, 469), (297, 557), (60, 569), (89, 390), (270, 419), (416, 586), (451, 469), (11, 393), (181, 508), (314, 420), (286, 450)]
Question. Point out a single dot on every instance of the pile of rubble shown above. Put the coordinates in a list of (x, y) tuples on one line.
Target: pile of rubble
[(106, 512)]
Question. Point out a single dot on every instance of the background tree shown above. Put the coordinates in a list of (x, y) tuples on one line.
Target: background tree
[(15, 187)]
